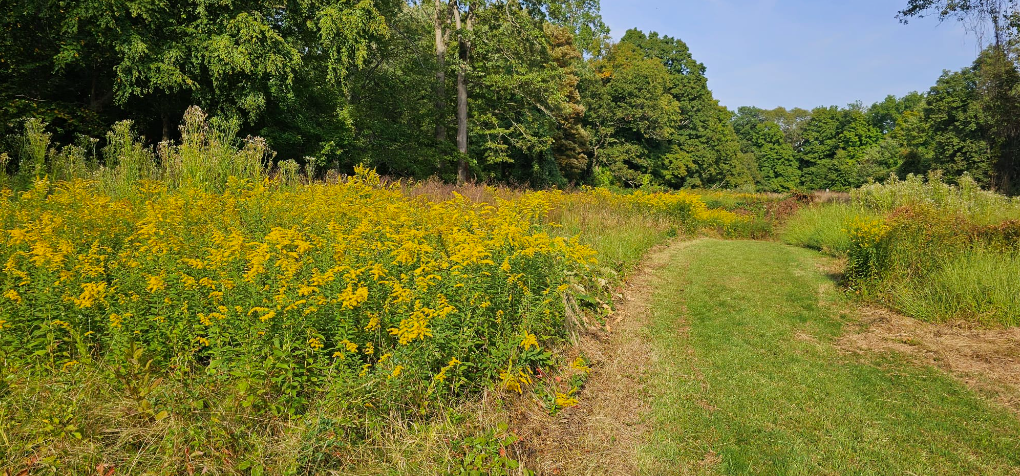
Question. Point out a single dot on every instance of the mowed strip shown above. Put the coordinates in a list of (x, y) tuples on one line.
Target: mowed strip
[(750, 380)]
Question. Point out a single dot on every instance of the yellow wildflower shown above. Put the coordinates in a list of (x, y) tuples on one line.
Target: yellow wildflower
[(564, 400), (315, 343), (13, 296), (373, 323), (351, 298), (90, 293), (580, 364), (349, 346), (529, 341), (155, 283)]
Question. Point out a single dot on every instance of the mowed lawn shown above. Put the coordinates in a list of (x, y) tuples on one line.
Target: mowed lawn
[(750, 380)]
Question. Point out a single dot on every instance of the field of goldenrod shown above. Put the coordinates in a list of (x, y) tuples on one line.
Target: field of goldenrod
[(190, 304), (350, 281)]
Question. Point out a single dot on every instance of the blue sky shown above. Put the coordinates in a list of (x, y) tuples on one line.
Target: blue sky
[(803, 53)]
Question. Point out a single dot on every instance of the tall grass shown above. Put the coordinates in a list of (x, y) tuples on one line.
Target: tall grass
[(933, 250), (974, 284), (824, 227), (208, 154), (966, 199)]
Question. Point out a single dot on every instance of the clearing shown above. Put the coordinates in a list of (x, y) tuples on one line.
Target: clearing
[(742, 357)]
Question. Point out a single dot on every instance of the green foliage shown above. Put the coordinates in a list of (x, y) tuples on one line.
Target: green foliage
[(966, 199), (777, 165), (486, 454), (957, 134), (654, 120), (550, 100), (977, 284), (964, 125), (208, 156), (935, 251)]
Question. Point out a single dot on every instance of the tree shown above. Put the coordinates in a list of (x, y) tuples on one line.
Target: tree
[(151, 60), (631, 113), (526, 119), (958, 134), (763, 138), (821, 141), (998, 94), (999, 105), (1000, 14), (514, 32), (703, 148), (884, 115)]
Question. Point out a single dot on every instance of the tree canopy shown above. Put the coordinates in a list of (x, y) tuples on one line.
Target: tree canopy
[(535, 91)]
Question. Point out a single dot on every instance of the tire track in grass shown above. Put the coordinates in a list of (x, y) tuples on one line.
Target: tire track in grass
[(747, 379)]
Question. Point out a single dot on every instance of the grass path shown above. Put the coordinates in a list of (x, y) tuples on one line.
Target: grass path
[(747, 379)]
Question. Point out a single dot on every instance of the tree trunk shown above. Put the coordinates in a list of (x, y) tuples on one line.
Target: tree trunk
[(166, 125), (464, 47), (439, 21)]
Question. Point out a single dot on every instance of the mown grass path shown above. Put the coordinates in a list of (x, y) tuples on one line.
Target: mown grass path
[(748, 379)]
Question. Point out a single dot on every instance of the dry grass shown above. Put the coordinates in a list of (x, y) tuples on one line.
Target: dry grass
[(602, 435), (987, 360), (437, 190), (830, 197)]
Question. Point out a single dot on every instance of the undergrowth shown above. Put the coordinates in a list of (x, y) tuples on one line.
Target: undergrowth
[(934, 251)]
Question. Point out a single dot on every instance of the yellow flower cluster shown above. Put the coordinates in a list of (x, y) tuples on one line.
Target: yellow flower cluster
[(864, 233), (682, 207), (566, 400), (358, 275), (514, 378)]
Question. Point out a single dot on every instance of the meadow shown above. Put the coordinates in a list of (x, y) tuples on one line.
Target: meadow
[(185, 309)]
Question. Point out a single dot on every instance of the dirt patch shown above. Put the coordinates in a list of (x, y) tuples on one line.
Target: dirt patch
[(987, 360), (602, 434)]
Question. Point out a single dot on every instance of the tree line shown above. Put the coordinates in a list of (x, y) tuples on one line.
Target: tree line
[(523, 91)]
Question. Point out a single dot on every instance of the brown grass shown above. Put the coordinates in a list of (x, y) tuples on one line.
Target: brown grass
[(601, 436), (987, 360), (821, 196)]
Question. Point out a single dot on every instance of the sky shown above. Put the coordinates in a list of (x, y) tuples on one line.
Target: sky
[(803, 53)]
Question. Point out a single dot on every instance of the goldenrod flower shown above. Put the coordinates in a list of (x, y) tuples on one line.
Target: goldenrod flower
[(13, 295), (565, 401), (155, 283), (315, 343), (529, 341)]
